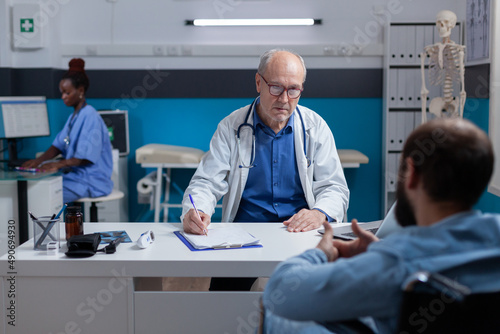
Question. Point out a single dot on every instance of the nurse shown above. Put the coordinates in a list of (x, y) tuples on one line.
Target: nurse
[(84, 142)]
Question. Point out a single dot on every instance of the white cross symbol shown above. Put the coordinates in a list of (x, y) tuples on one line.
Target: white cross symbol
[(27, 25)]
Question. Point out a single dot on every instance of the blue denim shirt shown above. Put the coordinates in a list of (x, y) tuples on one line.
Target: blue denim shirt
[(307, 287)]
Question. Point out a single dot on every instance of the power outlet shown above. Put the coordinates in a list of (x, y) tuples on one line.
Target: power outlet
[(158, 50), (187, 50), (172, 50), (329, 51)]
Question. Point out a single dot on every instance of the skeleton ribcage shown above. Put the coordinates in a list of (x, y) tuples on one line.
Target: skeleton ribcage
[(451, 66)]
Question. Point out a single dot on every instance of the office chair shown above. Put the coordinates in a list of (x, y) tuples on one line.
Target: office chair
[(434, 303), (114, 195)]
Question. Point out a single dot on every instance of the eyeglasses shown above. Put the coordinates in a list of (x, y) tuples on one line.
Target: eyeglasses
[(277, 90)]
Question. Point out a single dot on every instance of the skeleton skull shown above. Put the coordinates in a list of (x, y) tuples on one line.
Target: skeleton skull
[(445, 21)]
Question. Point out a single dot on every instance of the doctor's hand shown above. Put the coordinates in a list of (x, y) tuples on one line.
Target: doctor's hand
[(305, 220), (192, 224), (356, 246)]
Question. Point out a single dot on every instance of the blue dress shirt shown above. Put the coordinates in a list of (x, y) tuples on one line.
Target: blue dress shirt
[(273, 192), (278, 200)]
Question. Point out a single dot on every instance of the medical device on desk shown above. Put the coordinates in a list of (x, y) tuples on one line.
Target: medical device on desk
[(146, 239), (252, 156)]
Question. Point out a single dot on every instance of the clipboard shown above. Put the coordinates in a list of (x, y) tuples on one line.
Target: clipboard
[(182, 238)]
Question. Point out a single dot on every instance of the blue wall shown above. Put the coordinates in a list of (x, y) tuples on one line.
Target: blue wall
[(355, 123)]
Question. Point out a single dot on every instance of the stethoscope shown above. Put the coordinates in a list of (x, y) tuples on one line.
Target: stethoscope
[(72, 122), (245, 123)]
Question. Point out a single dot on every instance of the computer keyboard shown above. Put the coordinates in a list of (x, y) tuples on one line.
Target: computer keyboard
[(352, 235)]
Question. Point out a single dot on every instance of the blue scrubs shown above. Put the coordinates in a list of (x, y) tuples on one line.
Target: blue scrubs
[(88, 140)]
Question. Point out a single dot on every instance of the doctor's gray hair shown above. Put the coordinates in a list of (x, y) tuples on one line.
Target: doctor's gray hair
[(266, 58)]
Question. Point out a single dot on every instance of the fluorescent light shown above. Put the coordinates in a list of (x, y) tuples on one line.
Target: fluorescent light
[(252, 22)]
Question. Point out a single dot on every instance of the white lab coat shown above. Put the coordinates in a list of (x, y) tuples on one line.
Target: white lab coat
[(219, 173)]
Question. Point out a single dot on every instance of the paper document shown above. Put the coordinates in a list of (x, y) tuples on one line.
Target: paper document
[(226, 237)]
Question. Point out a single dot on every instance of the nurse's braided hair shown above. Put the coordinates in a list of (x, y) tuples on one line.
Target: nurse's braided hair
[(76, 74)]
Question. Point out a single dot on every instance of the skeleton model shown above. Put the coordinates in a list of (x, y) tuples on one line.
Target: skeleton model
[(446, 66)]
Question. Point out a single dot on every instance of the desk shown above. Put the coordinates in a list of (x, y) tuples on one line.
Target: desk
[(22, 196), (54, 293), (348, 159)]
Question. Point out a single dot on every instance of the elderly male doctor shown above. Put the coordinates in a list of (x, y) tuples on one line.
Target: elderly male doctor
[(283, 168)]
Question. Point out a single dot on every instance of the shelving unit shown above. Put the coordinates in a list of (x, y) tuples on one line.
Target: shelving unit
[(402, 85)]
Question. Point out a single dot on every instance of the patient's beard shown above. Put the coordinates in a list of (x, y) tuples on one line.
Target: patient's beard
[(403, 211)]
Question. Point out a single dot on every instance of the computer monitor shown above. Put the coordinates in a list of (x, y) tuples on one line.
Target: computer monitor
[(117, 123), (22, 117)]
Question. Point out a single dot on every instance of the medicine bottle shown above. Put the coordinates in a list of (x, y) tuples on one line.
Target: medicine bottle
[(73, 221)]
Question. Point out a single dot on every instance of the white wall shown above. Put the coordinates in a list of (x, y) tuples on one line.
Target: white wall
[(125, 33), (494, 124)]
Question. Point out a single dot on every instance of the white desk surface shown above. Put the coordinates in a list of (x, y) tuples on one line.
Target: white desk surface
[(167, 256), (53, 291)]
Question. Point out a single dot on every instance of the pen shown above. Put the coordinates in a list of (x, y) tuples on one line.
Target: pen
[(60, 212), (32, 216), (196, 210)]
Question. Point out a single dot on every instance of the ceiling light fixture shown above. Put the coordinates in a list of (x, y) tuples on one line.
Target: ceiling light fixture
[(252, 22)]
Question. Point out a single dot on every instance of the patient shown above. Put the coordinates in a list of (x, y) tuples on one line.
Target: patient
[(446, 165)]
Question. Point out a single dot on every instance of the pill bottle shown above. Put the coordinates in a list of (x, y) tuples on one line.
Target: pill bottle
[(73, 221)]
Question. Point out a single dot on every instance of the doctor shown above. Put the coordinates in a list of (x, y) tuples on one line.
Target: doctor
[(273, 161)]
